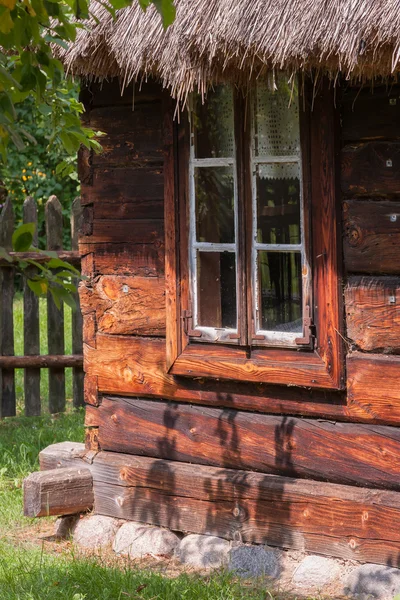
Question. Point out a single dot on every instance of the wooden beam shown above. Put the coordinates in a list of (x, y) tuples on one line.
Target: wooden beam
[(372, 236), (373, 312), (371, 169), (319, 517), (70, 256), (41, 361), (64, 491), (228, 438)]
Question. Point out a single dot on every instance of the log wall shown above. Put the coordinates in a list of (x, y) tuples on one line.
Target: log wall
[(136, 407)]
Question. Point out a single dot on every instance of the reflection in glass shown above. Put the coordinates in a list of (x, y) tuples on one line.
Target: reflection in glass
[(214, 194), (216, 289), (213, 124), (280, 291), (276, 127), (278, 203)]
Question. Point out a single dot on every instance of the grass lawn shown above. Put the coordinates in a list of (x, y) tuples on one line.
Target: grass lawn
[(30, 570)]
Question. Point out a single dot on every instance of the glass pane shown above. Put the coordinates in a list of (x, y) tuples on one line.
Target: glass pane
[(278, 204), (214, 193), (216, 289), (280, 294), (276, 123), (213, 124)]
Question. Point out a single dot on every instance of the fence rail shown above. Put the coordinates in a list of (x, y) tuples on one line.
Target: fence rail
[(56, 361)]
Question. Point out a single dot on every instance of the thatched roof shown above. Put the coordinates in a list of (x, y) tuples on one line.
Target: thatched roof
[(239, 39)]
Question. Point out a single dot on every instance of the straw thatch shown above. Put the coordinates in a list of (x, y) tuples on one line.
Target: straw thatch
[(239, 39)]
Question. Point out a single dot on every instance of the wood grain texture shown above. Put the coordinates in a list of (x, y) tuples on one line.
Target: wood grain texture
[(239, 440), (133, 366), (372, 236), (373, 313), (312, 516), (121, 258), (64, 491), (76, 317), (110, 93), (141, 231), (126, 193), (132, 136), (126, 305), (369, 115), (373, 382), (371, 169)]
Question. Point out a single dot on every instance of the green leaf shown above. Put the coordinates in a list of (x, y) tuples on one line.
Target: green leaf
[(4, 254), (38, 287), (23, 237), (55, 293), (6, 22), (167, 10), (56, 263)]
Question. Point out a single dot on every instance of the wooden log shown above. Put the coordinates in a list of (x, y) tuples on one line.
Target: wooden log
[(139, 259), (110, 93), (372, 236), (70, 256), (126, 305), (371, 169), (77, 322), (318, 517), (133, 137), (132, 366), (239, 440), (42, 361), (55, 316), (63, 454), (373, 381), (373, 313), (369, 115), (64, 491), (8, 400), (31, 324), (143, 231)]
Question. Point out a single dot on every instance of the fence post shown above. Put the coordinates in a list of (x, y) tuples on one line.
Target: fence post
[(55, 316), (77, 324), (31, 324), (8, 403)]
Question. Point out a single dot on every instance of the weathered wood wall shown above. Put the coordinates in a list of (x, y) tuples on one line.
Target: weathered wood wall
[(135, 407)]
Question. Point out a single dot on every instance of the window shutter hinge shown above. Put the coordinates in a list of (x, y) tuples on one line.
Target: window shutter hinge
[(187, 318), (308, 329)]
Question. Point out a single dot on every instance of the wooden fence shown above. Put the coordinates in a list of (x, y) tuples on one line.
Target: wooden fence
[(32, 361)]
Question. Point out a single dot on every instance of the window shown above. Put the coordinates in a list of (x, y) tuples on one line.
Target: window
[(242, 267)]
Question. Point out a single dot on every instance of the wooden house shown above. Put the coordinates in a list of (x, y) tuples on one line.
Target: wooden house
[(242, 246)]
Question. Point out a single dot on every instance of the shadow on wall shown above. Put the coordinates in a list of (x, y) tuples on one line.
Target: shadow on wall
[(223, 502)]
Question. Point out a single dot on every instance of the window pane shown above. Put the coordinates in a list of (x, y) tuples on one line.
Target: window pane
[(280, 294), (276, 124), (278, 203), (216, 289), (214, 193), (213, 125)]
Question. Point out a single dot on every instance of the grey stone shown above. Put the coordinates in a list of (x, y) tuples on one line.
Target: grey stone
[(136, 540), (203, 551), (316, 571), (63, 527), (254, 561), (95, 531), (373, 581)]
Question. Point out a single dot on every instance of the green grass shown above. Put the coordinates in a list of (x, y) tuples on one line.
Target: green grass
[(19, 350)]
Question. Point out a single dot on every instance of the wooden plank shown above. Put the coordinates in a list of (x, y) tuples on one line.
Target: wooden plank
[(70, 256), (64, 491), (373, 313), (371, 169), (8, 401), (63, 454), (348, 522), (31, 324), (373, 383), (132, 136), (239, 440), (144, 231), (41, 361), (126, 305), (126, 192), (372, 236), (133, 366), (55, 316), (370, 114), (121, 258), (110, 93), (77, 322)]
